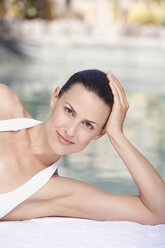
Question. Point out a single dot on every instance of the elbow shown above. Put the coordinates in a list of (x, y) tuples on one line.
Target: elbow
[(157, 218), (160, 213), (158, 221)]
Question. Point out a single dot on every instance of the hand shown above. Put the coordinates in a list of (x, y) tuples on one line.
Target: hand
[(120, 106)]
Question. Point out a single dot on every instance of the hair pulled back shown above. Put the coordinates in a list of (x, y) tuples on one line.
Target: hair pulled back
[(94, 81)]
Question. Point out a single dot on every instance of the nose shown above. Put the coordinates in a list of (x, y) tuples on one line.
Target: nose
[(71, 129)]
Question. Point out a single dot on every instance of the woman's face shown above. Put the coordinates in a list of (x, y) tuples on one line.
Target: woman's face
[(78, 117)]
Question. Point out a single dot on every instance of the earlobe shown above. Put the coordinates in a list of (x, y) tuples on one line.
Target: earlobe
[(54, 97), (100, 134)]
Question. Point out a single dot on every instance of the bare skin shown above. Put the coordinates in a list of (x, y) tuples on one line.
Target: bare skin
[(68, 197)]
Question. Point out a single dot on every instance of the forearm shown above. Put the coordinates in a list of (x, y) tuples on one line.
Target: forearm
[(150, 185)]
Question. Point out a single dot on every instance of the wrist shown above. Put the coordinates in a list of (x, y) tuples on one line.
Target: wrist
[(116, 137)]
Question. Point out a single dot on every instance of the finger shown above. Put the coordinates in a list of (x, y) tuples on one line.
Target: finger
[(108, 75), (111, 77), (113, 81), (115, 94), (119, 88), (122, 96), (119, 100), (121, 93)]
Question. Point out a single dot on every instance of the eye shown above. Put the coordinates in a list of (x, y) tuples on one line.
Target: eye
[(68, 111), (89, 125)]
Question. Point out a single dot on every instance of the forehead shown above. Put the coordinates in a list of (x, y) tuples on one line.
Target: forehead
[(86, 103)]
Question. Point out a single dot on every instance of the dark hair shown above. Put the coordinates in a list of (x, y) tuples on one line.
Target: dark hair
[(94, 81)]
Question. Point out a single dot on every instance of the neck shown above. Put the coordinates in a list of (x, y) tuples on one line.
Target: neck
[(39, 145)]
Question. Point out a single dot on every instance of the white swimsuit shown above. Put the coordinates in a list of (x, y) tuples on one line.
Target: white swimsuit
[(8, 201)]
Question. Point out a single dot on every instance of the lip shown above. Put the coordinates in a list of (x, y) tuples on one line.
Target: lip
[(63, 140)]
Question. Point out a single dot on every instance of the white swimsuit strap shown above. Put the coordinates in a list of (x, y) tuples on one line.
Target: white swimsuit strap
[(8, 201), (17, 124)]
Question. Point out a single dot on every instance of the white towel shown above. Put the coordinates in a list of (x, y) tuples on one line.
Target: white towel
[(79, 233)]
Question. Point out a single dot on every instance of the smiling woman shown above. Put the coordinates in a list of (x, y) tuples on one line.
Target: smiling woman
[(77, 118), (88, 106)]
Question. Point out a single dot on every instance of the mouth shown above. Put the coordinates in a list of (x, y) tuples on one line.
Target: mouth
[(63, 140)]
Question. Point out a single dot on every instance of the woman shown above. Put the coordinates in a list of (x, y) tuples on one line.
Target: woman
[(89, 105)]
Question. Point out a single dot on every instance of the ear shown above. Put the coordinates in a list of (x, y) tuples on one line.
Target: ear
[(54, 97), (100, 134)]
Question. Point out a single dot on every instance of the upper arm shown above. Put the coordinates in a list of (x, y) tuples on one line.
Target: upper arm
[(78, 199), (11, 106), (113, 207), (68, 197)]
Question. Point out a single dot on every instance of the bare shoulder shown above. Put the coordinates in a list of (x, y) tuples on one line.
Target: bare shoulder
[(11, 106)]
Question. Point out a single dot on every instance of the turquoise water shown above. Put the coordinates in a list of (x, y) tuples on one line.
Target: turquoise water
[(141, 71)]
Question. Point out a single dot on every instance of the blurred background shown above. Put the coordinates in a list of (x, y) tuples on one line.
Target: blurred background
[(43, 42)]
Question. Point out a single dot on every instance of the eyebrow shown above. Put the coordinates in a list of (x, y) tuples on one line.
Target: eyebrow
[(75, 113)]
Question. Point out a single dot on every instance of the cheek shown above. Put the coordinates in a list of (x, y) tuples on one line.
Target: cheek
[(84, 138), (58, 117)]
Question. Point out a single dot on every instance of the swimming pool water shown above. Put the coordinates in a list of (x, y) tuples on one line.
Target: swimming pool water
[(141, 72)]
